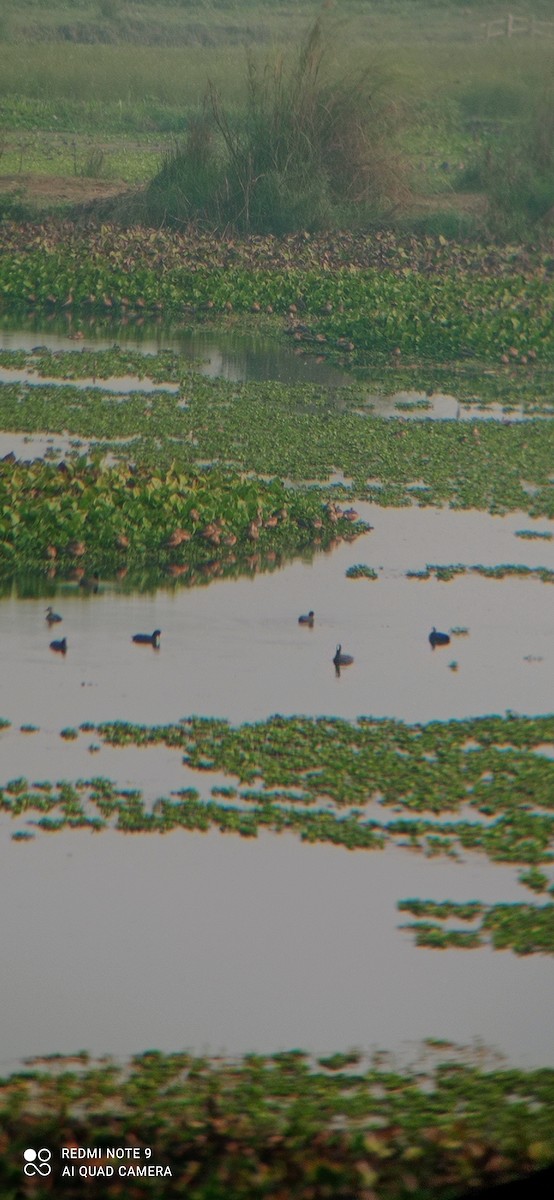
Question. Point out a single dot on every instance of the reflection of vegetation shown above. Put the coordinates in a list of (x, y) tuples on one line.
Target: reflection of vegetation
[(303, 1127), (35, 584), (507, 387)]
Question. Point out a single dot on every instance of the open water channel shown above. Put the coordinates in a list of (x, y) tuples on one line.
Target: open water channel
[(121, 942)]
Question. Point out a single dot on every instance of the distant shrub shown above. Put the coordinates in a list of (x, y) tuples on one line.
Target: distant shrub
[(307, 153), (14, 206), (189, 180)]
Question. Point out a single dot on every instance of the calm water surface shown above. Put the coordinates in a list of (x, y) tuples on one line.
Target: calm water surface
[(119, 942)]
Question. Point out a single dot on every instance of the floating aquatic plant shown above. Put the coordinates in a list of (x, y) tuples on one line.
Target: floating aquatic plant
[(518, 570), (361, 571), (523, 928), (62, 520)]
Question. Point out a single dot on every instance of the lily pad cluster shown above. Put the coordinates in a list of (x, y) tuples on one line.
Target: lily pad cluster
[(511, 837), (490, 763), (53, 518)]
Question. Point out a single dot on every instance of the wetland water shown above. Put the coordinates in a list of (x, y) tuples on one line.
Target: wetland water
[(220, 944), (119, 942), (234, 649), (237, 357), (232, 355)]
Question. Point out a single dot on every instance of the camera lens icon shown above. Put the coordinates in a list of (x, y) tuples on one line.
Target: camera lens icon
[(37, 1162)]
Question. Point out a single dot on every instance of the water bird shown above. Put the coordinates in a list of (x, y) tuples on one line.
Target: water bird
[(52, 617), (60, 647), (342, 660), (307, 618), (89, 583), (148, 639), (438, 639)]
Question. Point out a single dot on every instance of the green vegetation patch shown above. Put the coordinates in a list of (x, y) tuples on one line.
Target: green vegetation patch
[(534, 879), (317, 776), (443, 311), (523, 928), (531, 534), (301, 1127), (78, 515), (493, 764), (432, 937), (361, 571), (300, 433), (502, 571)]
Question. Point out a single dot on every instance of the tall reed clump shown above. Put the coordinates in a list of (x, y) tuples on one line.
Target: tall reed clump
[(308, 152), (187, 185), (519, 176)]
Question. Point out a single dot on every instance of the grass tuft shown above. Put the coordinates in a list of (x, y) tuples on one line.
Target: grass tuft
[(307, 153)]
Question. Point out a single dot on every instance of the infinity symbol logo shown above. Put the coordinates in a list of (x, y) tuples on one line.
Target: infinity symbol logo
[(37, 1162)]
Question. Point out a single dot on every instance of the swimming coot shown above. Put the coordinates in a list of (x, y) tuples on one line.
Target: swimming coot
[(51, 616), (306, 618), (438, 639), (148, 639), (342, 660), (60, 647)]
